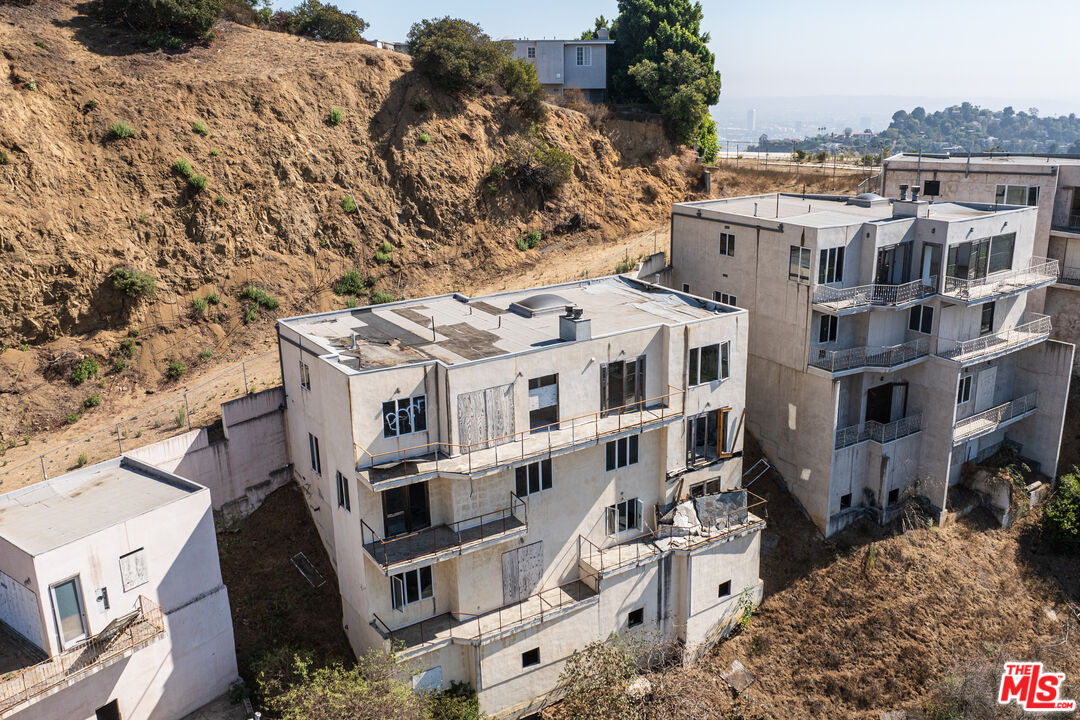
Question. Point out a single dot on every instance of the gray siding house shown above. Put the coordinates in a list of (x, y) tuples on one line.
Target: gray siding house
[(564, 64)]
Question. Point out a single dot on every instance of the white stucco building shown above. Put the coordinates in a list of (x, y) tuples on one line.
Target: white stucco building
[(111, 597), (891, 341), (493, 476), (562, 64)]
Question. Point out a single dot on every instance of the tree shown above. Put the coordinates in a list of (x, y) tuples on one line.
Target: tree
[(707, 144), (326, 22), (457, 55), (187, 19), (1061, 517), (682, 88), (600, 23), (519, 79)]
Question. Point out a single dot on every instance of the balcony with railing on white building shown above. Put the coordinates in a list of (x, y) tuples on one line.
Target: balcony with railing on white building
[(881, 433), (846, 300), (845, 361), (1039, 272), (1033, 329), (987, 421)]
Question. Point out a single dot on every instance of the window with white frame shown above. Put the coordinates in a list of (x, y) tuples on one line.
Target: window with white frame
[(831, 266), (532, 478), (584, 56), (827, 329), (305, 376), (404, 416), (316, 459), (963, 391), (531, 53), (1016, 194), (799, 264), (622, 452), (623, 516), (343, 492), (410, 587), (727, 244), (709, 363), (921, 319), (722, 297)]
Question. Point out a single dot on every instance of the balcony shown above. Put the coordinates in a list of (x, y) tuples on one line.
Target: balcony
[(440, 459), (881, 433), (1039, 273), (857, 359), (988, 421), (438, 543), (1069, 276), (463, 628), (863, 297), (122, 637), (1071, 225), (1034, 329)]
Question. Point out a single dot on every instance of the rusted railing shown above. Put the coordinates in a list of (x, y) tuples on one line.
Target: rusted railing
[(1038, 272), (860, 357), (466, 627), (524, 444), (878, 432), (870, 295), (433, 540), (989, 420), (123, 635), (1036, 327)]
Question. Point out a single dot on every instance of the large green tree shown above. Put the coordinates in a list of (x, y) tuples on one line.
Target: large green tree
[(661, 57), (456, 54)]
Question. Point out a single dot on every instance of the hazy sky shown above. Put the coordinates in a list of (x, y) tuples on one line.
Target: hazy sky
[(953, 49)]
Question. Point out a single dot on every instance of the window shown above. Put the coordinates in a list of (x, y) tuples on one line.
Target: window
[(686, 288), (108, 712), (404, 416), (305, 376), (635, 617), (831, 266), (931, 188), (963, 391), (532, 478), (622, 452), (986, 324), (799, 264), (706, 436), (622, 385), (313, 448), (531, 53), (406, 510), (894, 496), (709, 363), (343, 492), (584, 56), (623, 516), (544, 402), (727, 244), (724, 298), (530, 658), (827, 330), (1001, 253), (845, 501), (976, 260), (921, 319), (1016, 195), (133, 570), (410, 587), (709, 487), (724, 590), (68, 606)]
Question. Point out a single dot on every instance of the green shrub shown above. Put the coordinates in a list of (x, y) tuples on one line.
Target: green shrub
[(379, 297), (3, 158), (336, 116), (72, 418), (183, 167), (386, 246), (24, 347), (219, 201), (519, 79), (536, 163), (213, 298), (457, 55), (120, 130), (424, 138), (421, 104), (528, 241), (205, 355), (458, 702), (497, 172), (199, 305), (1061, 516), (260, 297), (321, 21), (81, 460), (180, 417), (199, 127), (86, 369), (134, 283), (348, 204), (90, 105), (215, 152), (163, 20), (491, 189), (352, 283), (623, 266), (251, 314), (127, 347), (175, 369), (92, 401), (197, 183), (31, 84), (119, 364)]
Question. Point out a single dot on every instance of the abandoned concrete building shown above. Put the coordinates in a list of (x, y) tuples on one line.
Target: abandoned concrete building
[(890, 340), (111, 599), (497, 479), (1049, 182)]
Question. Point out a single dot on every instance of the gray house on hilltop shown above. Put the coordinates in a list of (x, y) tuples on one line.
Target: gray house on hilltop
[(562, 64)]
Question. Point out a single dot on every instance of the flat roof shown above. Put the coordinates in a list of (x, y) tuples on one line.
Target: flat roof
[(53, 513), (995, 159), (822, 211), (457, 329)]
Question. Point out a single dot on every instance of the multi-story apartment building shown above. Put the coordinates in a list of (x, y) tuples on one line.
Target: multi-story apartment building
[(562, 64), (1049, 182), (890, 340), (494, 477), (111, 599)]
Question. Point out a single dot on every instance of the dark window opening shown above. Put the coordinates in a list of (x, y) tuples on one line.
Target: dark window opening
[(405, 509), (635, 617), (622, 385), (845, 501), (725, 589), (532, 478), (827, 330), (931, 187), (530, 658), (108, 712), (986, 324), (622, 452), (894, 495), (544, 402)]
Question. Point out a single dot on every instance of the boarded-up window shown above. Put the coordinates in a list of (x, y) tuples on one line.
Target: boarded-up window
[(484, 415), (521, 571), (133, 570)]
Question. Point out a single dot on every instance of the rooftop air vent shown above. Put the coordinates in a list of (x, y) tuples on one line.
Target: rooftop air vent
[(572, 326)]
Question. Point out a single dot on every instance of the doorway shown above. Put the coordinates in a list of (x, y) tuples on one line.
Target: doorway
[(406, 510), (886, 403), (893, 264), (70, 614), (622, 385), (931, 263)]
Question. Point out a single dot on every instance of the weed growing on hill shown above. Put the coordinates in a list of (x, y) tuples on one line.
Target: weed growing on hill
[(199, 127), (120, 130), (336, 116), (85, 370)]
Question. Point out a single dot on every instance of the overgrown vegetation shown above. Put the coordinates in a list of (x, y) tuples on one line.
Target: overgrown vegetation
[(1061, 516), (134, 283), (120, 130), (456, 54), (519, 79), (353, 283), (92, 400), (348, 204), (536, 164), (175, 369), (529, 240), (163, 22), (199, 127), (594, 681), (384, 253), (379, 297), (260, 297), (319, 21), (84, 370), (336, 116)]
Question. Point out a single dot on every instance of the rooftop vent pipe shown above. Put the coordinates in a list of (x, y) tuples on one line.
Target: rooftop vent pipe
[(903, 192), (572, 326)]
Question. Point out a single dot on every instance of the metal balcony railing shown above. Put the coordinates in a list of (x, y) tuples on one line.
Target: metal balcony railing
[(1034, 328), (123, 635), (1070, 275), (455, 536), (868, 357), (1038, 272), (989, 420), (455, 458), (871, 295), (880, 433)]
